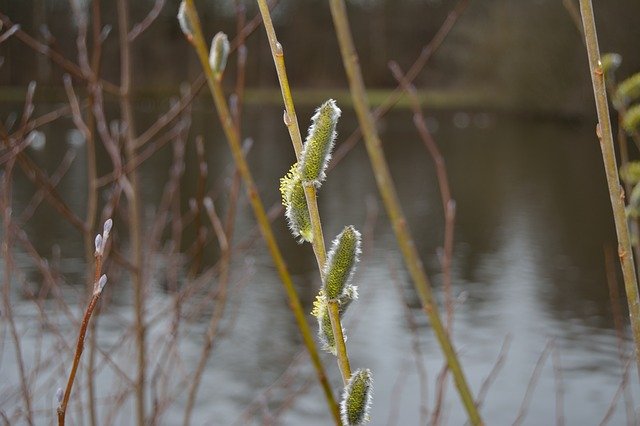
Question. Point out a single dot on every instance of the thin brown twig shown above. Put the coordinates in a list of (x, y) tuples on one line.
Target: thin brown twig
[(441, 389), (418, 356), (533, 381), (98, 284), (557, 373), (56, 57), (5, 205), (218, 313), (614, 401), (426, 54), (201, 183), (448, 204), (142, 26), (495, 370), (133, 195)]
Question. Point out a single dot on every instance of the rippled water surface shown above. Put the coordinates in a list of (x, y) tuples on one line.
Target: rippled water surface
[(532, 227)]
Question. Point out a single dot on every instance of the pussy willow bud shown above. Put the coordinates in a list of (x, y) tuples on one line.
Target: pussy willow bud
[(219, 53), (631, 122), (106, 229), (321, 312), (99, 286), (325, 330), (341, 262), (59, 395), (356, 399), (295, 203), (98, 244), (317, 148), (183, 20), (628, 91)]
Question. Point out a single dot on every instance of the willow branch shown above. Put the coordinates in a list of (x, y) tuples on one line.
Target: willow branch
[(616, 193), (396, 216), (233, 139)]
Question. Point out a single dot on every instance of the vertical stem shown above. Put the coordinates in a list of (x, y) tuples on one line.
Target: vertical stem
[(76, 358), (392, 205), (233, 139), (341, 347), (62, 409), (92, 195), (611, 170), (5, 205), (291, 121), (134, 204)]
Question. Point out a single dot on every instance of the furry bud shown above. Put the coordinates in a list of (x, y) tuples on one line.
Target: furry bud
[(219, 53), (341, 262), (356, 399), (295, 202), (317, 148)]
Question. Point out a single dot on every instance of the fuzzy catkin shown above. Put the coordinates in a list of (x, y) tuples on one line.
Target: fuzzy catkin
[(341, 262), (317, 148), (321, 312), (356, 399), (295, 203)]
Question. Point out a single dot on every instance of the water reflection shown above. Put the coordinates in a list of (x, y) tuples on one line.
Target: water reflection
[(532, 220)]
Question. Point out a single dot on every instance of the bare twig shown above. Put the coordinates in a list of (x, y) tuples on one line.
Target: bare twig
[(392, 205), (5, 200), (533, 381), (234, 142), (557, 373), (493, 374), (142, 26), (99, 282), (616, 195), (133, 195)]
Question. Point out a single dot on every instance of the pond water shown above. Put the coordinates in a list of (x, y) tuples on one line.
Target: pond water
[(532, 227)]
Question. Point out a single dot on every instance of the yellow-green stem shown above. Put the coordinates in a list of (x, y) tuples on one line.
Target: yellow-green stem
[(291, 121), (392, 205), (233, 139), (338, 337), (611, 170)]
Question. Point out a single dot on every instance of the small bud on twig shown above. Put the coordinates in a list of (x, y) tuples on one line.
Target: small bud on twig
[(98, 244), (59, 395), (99, 286), (219, 53), (106, 228), (183, 20)]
